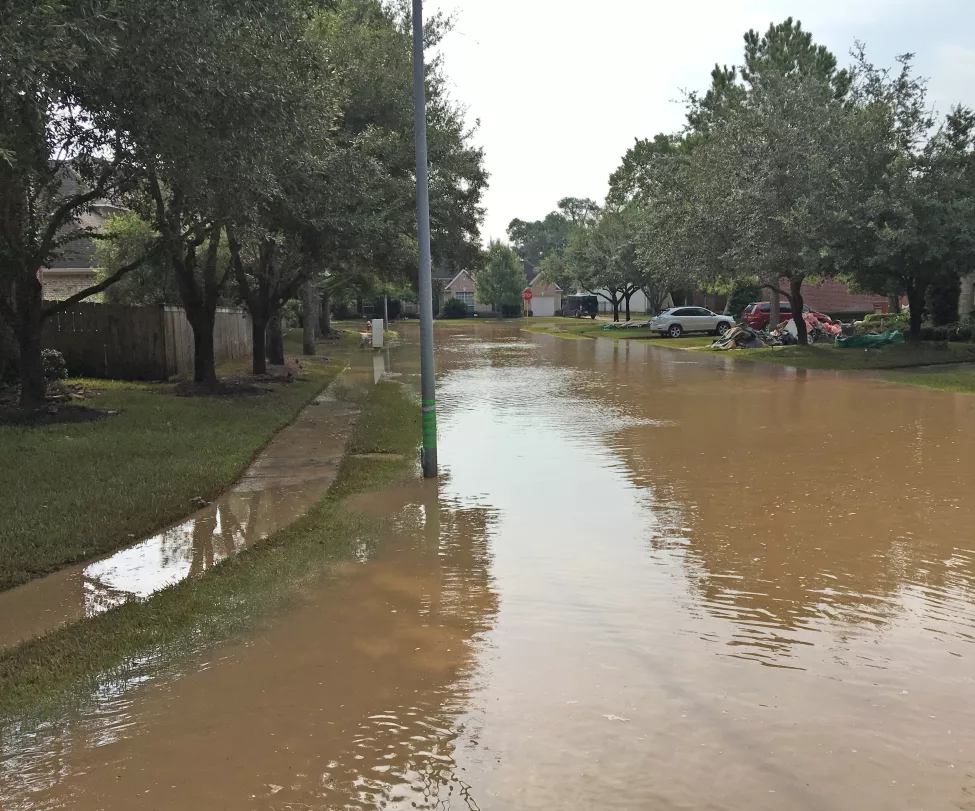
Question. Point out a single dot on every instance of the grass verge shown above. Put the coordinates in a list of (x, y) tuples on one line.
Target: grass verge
[(75, 491), (962, 382), (38, 675), (826, 356), (574, 329)]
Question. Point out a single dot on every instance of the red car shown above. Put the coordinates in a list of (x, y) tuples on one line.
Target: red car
[(756, 314)]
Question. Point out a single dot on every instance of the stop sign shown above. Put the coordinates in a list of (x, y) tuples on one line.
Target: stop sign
[(527, 295)]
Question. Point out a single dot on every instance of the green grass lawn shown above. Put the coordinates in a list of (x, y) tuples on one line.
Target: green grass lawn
[(73, 492), (585, 328), (826, 356), (42, 674), (962, 381)]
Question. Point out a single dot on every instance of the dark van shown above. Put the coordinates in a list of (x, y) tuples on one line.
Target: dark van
[(580, 306)]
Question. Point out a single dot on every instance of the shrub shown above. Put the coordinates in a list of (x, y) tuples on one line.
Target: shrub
[(530, 313), (964, 332), (876, 322), (54, 366), (850, 315), (511, 310), (454, 308)]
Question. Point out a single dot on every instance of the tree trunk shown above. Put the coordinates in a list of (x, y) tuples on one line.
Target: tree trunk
[(616, 310), (30, 301), (308, 319), (259, 345), (894, 303), (275, 340), (325, 314), (627, 298), (774, 313), (204, 357), (915, 298), (358, 308), (795, 299), (966, 298)]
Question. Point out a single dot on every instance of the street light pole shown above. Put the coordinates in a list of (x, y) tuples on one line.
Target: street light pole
[(428, 380)]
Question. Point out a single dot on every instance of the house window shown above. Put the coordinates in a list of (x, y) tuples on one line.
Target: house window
[(467, 298)]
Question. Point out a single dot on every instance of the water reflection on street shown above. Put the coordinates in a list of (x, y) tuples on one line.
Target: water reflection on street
[(647, 579)]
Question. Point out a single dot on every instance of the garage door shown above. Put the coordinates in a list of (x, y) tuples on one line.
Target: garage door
[(543, 305)]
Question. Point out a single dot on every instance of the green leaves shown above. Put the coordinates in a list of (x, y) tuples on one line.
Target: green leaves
[(502, 279)]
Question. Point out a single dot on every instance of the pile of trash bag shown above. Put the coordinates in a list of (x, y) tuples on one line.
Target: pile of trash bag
[(872, 341), (740, 337), (817, 331)]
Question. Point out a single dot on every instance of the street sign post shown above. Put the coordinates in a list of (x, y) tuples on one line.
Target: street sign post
[(526, 296), (428, 380)]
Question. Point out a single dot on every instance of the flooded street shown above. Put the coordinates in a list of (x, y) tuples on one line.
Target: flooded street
[(647, 579)]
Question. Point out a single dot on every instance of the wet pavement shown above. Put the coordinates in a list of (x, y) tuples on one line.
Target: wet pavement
[(647, 579), (282, 483)]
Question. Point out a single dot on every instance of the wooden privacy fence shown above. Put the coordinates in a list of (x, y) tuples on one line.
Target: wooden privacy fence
[(139, 343)]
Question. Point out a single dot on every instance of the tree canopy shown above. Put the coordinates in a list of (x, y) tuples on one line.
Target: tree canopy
[(280, 131), (501, 280)]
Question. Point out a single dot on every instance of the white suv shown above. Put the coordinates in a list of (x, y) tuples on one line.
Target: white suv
[(678, 320)]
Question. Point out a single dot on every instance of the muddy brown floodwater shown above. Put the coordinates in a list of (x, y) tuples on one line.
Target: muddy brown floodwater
[(648, 579)]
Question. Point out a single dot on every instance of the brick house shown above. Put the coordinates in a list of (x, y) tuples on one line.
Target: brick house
[(461, 287), (831, 296), (75, 269)]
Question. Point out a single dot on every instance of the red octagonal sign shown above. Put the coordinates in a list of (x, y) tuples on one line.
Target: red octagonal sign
[(527, 295)]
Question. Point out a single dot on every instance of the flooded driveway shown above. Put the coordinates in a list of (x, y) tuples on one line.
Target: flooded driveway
[(646, 579)]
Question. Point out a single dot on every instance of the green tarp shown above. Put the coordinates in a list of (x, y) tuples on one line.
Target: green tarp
[(895, 336)]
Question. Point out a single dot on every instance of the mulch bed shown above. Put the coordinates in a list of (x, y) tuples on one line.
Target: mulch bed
[(53, 415), (61, 408), (226, 387)]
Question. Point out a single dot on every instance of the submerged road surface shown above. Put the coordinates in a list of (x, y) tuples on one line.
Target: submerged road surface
[(647, 579)]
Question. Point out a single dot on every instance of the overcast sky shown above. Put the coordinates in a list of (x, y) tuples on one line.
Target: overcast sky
[(562, 87)]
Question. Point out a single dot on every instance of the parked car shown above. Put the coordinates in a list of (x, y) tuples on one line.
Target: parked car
[(678, 320), (580, 306), (756, 314)]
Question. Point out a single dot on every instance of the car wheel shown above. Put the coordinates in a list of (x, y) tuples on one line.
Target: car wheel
[(593, 317), (723, 327), (675, 331)]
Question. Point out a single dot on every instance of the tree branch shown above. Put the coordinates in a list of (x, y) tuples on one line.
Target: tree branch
[(775, 289), (66, 209), (238, 267), (60, 306)]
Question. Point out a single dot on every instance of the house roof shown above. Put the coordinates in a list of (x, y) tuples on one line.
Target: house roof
[(80, 253), (455, 278), (541, 283)]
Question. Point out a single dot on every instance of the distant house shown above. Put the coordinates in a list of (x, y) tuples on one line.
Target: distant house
[(832, 296), (461, 287), (75, 269), (546, 298)]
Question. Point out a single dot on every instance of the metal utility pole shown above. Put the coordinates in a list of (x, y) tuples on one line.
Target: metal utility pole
[(428, 381)]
